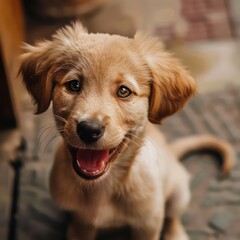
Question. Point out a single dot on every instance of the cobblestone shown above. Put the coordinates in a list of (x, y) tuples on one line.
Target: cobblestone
[(41, 219), (220, 188), (205, 232), (221, 221), (216, 113), (208, 202), (235, 176)]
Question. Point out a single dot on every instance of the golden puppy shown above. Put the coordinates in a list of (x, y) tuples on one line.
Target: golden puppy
[(113, 168)]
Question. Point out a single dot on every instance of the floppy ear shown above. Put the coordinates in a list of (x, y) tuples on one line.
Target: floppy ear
[(171, 84), (39, 61), (35, 68)]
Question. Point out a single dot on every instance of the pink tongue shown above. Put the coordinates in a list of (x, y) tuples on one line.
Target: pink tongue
[(92, 160)]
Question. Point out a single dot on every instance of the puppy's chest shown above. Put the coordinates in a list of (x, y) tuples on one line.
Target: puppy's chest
[(104, 213), (109, 216)]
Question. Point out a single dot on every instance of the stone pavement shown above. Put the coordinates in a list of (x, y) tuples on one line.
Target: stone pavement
[(214, 211)]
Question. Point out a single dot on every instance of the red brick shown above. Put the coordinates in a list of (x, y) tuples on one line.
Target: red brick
[(219, 25), (197, 31), (220, 29), (216, 4), (194, 10)]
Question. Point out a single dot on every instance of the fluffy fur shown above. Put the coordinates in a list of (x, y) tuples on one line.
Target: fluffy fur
[(144, 183)]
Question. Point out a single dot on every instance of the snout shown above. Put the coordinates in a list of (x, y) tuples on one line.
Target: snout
[(90, 131), (94, 145), (93, 159)]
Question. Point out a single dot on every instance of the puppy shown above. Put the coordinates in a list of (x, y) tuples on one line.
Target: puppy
[(113, 167)]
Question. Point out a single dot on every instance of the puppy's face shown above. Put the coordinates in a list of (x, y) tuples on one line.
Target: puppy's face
[(104, 89), (100, 104)]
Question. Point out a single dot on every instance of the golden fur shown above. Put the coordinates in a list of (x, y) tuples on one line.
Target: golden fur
[(145, 183)]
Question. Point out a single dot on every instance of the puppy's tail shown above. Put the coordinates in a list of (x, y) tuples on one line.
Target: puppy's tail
[(206, 142)]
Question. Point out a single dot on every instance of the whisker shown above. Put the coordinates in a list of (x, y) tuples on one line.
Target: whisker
[(135, 136), (136, 143), (48, 143), (44, 130), (60, 118), (42, 139)]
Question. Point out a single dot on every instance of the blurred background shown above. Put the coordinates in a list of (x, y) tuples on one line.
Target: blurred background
[(204, 34)]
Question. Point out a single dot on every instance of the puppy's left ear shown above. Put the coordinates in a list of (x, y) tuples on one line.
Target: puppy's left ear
[(38, 63), (171, 84), (35, 68)]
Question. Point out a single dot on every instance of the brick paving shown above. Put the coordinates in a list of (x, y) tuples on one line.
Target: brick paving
[(214, 211)]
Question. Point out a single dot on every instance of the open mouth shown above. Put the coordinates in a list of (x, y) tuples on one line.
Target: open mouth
[(93, 163)]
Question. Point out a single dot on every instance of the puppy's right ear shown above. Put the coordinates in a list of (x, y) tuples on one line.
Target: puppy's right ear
[(171, 85), (35, 67)]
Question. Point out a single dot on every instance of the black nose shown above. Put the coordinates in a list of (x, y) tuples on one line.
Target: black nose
[(90, 131)]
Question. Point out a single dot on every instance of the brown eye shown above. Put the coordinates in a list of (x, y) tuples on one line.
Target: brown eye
[(74, 86), (123, 92)]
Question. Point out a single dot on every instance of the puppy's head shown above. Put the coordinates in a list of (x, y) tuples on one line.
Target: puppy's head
[(104, 89)]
